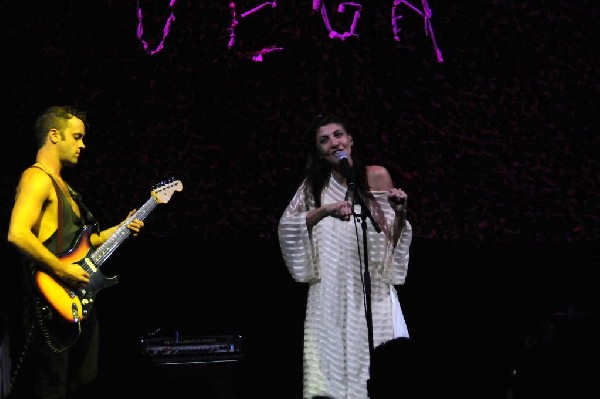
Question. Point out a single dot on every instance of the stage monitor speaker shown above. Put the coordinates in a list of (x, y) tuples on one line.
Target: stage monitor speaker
[(191, 366)]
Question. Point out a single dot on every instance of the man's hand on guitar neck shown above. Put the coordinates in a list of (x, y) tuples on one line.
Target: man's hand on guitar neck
[(135, 226)]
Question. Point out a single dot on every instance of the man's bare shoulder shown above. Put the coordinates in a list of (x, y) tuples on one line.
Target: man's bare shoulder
[(34, 179), (379, 178)]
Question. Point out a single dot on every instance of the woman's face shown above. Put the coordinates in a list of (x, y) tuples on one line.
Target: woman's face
[(331, 139)]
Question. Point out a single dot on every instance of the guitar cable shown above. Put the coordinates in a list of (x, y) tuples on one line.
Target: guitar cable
[(15, 372), (27, 343), (45, 332)]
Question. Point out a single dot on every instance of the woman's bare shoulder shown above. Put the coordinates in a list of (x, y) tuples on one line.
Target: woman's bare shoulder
[(379, 178)]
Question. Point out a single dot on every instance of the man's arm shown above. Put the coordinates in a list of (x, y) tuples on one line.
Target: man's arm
[(33, 219)]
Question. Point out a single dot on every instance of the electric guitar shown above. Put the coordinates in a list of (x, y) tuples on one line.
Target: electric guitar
[(75, 304)]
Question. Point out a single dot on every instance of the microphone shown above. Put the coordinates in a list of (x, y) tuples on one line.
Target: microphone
[(342, 158)]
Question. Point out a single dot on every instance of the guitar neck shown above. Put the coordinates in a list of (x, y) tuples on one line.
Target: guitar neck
[(102, 252)]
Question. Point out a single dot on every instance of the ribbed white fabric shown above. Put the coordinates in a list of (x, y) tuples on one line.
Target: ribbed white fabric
[(336, 347)]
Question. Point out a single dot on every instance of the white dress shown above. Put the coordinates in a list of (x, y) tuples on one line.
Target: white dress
[(336, 345)]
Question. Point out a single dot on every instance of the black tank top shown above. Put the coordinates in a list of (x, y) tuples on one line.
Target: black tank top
[(71, 225)]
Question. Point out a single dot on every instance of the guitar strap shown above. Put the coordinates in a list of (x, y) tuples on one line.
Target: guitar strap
[(60, 216)]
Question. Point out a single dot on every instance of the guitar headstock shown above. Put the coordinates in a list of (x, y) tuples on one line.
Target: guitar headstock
[(164, 190)]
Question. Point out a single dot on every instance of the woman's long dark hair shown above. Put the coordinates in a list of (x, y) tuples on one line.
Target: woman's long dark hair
[(317, 169)]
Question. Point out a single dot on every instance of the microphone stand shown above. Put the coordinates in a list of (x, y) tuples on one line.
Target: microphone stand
[(364, 214)]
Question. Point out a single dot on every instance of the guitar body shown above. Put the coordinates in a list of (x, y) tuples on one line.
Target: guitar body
[(74, 304)]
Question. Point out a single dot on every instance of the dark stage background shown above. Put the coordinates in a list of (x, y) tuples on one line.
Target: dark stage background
[(497, 147)]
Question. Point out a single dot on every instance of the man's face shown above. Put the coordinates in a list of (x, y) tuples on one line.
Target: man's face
[(71, 141)]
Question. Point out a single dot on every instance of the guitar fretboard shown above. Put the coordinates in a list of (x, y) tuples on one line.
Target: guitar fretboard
[(102, 253)]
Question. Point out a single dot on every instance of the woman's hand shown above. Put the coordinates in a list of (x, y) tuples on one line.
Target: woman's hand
[(397, 199), (341, 210)]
